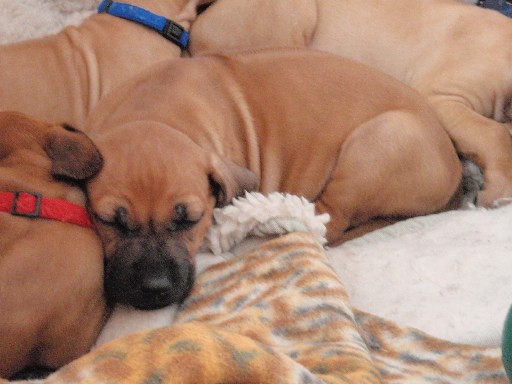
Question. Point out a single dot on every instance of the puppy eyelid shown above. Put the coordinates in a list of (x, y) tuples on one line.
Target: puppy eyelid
[(119, 220), (180, 211), (122, 221), (103, 220), (180, 225), (181, 220)]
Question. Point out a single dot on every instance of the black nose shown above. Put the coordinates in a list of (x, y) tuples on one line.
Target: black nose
[(156, 288), (155, 285), (148, 273)]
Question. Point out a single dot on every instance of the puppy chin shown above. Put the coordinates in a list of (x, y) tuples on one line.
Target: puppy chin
[(148, 274)]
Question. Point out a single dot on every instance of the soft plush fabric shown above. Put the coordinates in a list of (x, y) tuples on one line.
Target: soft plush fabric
[(24, 19), (290, 311), (447, 274), (279, 314)]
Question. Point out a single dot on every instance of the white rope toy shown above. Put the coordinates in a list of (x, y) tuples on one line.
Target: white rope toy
[(262, 215)]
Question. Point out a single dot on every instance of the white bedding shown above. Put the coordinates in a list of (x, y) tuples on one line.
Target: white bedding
[(447, 274)]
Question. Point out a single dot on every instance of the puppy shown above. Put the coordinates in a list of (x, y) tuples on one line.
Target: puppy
[(51, 260), (61, 77), (194, 133), (455, 54)]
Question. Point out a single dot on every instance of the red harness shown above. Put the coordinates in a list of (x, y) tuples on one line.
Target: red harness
[(33, 205)]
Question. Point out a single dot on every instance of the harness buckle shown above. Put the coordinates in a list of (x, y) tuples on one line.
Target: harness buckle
[(175, 33), (37, 210)]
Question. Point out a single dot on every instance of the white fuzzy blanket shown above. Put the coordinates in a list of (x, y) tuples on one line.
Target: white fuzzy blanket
[(447, 274), (24, 19)]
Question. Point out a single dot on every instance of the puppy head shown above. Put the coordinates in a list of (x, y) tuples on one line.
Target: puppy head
[(28, 145), (153, 204)]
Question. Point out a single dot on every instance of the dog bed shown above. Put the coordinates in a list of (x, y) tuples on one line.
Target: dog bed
[(275, 311), (421, 301)]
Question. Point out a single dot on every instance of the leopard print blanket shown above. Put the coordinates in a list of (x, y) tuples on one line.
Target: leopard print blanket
[(280, 314), (277, 314)]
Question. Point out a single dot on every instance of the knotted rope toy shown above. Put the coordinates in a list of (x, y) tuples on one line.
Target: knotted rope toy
[(264, 215)]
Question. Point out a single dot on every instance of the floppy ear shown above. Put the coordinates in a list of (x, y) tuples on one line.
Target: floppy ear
[(73, 153), (229, 180), (189, 12)]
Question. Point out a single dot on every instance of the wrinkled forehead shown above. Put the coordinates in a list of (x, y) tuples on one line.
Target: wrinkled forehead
[(150, 171), (151, 146)]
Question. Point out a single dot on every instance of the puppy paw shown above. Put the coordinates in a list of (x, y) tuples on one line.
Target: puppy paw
[(488, 199), (497, 189), (502, 202)]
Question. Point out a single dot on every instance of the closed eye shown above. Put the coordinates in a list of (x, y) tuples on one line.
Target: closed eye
[(104, 221), (183, 218), (182, 225), (119, 221)]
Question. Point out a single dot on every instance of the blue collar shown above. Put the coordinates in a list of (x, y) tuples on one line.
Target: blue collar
[(503, 6), (167, 28)]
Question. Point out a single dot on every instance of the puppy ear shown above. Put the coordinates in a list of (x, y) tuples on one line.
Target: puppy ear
[(229, 180), (73, 153), (189, 12)]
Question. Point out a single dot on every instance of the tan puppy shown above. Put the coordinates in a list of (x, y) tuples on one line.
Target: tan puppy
[(457, 55), (51, 266), (61, 77), (194, 133)]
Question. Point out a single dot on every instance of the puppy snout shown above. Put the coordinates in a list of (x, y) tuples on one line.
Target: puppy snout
[(149, 274), (155, 282)]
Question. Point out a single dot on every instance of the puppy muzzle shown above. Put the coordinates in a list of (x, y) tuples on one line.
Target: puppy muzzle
[(148, 273)]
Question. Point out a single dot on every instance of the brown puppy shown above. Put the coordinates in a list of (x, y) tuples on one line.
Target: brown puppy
[(61, 77), (51, 265), (194, 133), (457, 55)]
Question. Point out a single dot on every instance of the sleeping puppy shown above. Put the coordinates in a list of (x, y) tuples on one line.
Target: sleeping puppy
[(61, 77), (51, 260), (192, 134), (457, 55)]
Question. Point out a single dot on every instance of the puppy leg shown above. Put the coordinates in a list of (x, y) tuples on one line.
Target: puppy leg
[(395, 165), (223, 26), (486, 142)]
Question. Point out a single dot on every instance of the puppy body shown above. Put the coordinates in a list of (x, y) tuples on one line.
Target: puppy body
[(358, 143), (61, 77), (51, 272), (455, 54)]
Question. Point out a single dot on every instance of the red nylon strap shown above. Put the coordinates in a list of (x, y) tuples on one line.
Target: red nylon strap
[(33, 205)]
